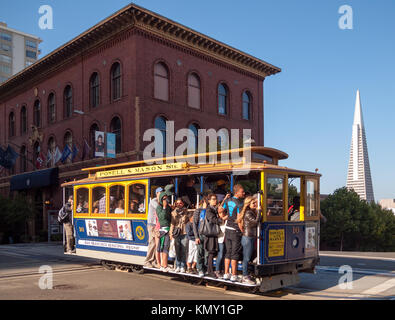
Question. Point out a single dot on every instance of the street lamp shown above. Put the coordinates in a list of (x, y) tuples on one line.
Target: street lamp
[(82, 113)]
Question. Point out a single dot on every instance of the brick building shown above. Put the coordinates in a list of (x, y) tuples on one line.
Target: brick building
[(127, 74)]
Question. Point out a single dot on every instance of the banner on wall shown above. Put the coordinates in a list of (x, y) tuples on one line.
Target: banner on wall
[(99, 144), (111, 143)]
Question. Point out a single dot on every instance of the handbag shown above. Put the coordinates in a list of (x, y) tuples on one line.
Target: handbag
[(176, 232), (209, 229)]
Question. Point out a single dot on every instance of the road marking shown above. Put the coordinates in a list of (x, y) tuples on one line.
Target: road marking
[(380, 288), (357, 257), (359, 271)]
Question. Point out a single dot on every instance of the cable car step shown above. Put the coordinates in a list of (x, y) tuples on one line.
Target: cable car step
[(204, 278)]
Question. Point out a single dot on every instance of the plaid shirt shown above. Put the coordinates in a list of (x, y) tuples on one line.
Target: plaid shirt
[(102, 204)]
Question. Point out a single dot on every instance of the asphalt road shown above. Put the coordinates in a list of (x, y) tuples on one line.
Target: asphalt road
[(373, 277)]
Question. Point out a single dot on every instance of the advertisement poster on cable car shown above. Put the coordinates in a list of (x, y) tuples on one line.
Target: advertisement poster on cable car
[(115, 229)]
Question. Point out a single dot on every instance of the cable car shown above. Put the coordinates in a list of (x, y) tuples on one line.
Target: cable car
[(111, 207)]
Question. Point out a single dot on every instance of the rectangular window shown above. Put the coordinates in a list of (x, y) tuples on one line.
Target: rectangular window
[(4, 58), (5, 47), (311, 198), (31, 44), (31, 54), (275, 192), (6, 36), (5, 69)]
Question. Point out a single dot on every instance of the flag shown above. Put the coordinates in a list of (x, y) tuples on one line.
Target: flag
[(65, 154), (2, 156), (49, 156), (86, 149), (8, 160), (74, 152), (57, 156), (40, 160)]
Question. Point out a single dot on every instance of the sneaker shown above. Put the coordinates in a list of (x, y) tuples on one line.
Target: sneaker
[(201, 274), (248, 280), (227, 276), (194, 271), (177, 270), (233, 278), (182, 270), (190, 271), (218, 274)]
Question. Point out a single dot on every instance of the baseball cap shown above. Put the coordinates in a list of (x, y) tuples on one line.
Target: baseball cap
[(159, 190)]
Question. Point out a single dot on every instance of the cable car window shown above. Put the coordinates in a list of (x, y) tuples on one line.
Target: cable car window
[(117, 199), (311, 198), (82, 201), (275, 192), (294, 198), (99, 201), (137, 199)]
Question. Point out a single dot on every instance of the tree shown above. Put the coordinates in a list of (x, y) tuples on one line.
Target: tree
[(354, 224)]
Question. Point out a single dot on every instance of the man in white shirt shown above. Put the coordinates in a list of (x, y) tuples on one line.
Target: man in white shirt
[(150, 260)]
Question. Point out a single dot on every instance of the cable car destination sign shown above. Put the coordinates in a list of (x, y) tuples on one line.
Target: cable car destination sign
[(141, 170)]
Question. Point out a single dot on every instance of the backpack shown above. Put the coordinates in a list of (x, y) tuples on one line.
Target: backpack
[(62, 215)]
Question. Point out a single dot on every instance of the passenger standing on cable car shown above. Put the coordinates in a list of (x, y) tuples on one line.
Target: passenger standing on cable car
[(188, 193), (198, 217), (153, 234), (163, 210), (248, 221), (211, 243), (233, 207), (179, 220)]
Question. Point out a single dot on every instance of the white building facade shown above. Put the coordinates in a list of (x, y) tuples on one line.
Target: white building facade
[(18, 50)]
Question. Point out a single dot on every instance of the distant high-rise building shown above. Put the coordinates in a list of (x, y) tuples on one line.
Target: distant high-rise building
[(359, 178), (18, 50)]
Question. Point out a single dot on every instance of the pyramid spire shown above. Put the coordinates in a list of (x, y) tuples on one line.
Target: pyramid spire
[(359, 178)]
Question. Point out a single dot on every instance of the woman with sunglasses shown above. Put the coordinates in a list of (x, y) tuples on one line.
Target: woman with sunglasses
[(179, 220), (248, 221)]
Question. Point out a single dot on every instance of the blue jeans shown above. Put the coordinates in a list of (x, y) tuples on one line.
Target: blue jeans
[(180, 244), (248, 247), (219, 264)]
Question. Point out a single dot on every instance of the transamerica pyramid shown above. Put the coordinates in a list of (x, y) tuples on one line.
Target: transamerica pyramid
[(359, 177)]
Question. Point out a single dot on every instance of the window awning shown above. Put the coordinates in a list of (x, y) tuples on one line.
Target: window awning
[(33, 180)]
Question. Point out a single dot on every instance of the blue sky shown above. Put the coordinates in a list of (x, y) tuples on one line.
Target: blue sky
[(309, 106)]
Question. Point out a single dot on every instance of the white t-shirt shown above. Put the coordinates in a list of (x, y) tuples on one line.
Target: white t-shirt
[(222, 234)]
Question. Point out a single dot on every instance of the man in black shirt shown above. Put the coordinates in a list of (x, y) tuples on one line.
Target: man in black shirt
[(233, 206)]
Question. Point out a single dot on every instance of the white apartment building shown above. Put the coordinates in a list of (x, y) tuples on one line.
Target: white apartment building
[(18, 50)]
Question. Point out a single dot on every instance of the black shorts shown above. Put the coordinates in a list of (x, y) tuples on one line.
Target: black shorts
[(233, 248)]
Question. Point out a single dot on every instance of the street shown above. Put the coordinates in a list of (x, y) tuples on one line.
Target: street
[(85, 279)]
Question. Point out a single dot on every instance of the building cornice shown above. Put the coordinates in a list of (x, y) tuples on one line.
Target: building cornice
[(133, 16)]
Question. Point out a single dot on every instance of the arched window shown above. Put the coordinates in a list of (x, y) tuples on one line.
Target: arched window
[(36, 153), (23, 159), (116, 81), (223, 99), (116, 128), (68, 140), (51, 150), (194, 94), (94, 127), (51, 108), (161, 82), (160, 140), (11, 124), (223, 139), (246, 105), (37, 113), (23, 120), (94, 84), (68, 102), (193, 141)]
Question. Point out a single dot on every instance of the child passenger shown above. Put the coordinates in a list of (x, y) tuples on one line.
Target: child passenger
[(192, 247)]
